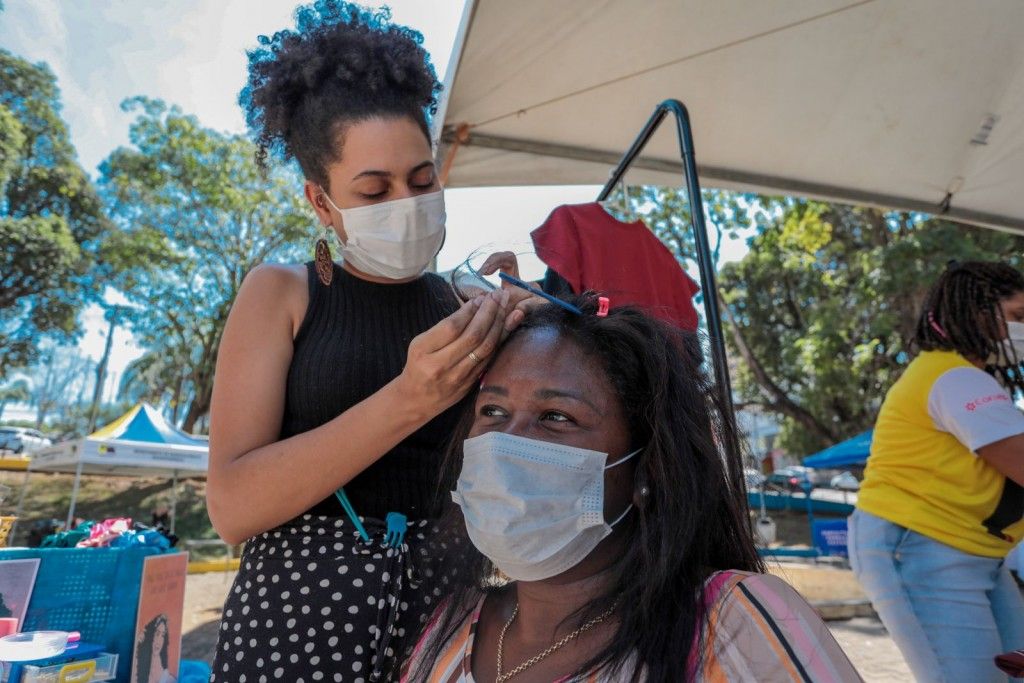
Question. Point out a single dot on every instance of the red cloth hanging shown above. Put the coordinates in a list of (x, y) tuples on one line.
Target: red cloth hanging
[(624, 261)]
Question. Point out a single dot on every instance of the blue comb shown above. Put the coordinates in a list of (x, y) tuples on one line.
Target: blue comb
[(351, 511), (537, 292)]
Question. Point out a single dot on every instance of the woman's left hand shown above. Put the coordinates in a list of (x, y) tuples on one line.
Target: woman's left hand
[(519, 300)]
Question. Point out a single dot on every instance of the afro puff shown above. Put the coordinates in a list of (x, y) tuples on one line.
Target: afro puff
[(341, 65)]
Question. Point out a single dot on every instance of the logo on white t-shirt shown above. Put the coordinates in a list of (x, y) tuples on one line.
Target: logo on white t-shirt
[(971, 406)]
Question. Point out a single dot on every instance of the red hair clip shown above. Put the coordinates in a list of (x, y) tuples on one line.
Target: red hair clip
[(603, 304)]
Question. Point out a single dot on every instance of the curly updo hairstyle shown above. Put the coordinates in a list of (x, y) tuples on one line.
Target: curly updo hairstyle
[(342, 64)]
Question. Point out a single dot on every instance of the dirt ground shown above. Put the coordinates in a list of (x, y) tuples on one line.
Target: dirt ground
[(864, 639)]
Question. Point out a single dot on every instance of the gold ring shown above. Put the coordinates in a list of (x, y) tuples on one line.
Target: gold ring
[(473, 357)]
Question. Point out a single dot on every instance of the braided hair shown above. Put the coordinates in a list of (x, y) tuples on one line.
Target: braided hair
[(342, 64), (961, 313)]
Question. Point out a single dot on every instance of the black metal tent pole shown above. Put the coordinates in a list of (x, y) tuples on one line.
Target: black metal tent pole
[(704, 261)]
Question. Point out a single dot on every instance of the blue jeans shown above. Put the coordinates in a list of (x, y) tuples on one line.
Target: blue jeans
[(949, 612)]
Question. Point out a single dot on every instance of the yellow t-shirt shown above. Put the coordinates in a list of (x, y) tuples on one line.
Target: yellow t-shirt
[(923, 473)]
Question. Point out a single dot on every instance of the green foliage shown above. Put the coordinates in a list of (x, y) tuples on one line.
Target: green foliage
[(72, 422), (200, 215), (27, 424), (156, 375), (51, 219), (666, 211), (60, 380), (823, 309), (14, 392)]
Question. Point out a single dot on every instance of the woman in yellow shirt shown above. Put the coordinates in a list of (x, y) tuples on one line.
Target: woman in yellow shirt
[(942, 501)]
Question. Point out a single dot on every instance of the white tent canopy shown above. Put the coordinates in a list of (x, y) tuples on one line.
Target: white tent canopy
[(140, 443), (907, 104)]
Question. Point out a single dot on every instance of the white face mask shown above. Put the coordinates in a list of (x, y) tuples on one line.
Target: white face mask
[(396, 239), (1014, 342), (534, 508)]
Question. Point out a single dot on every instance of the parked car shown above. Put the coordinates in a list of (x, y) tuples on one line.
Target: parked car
[(792, 478), (845, 482), (22, 439)]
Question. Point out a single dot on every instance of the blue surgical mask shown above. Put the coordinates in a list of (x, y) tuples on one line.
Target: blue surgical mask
[(534, 508)]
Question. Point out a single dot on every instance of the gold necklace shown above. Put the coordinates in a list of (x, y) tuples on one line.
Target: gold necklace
[(502, 677)]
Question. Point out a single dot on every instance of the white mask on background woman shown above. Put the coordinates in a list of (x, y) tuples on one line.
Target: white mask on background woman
[(1011, 347), (396, 239)]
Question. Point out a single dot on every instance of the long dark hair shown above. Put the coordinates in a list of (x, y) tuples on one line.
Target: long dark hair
[(144, 653), (961, 313), (695, 519)]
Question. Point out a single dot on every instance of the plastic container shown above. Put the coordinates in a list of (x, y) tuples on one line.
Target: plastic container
[(8, 626), (102, 668), (91, 590), (76, 652), (764, 531), (25, 647)]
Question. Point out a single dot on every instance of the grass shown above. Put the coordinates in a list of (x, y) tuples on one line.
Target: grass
[(104, 497), (49, 496)]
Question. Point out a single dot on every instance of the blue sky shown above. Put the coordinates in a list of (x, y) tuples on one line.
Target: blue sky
[(192, 53)]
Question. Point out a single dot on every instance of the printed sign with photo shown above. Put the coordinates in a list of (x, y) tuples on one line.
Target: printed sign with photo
[(17, 577), (159, 622)]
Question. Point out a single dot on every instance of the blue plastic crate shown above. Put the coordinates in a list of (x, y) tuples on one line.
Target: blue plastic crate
[(91, 590), (830, 537)]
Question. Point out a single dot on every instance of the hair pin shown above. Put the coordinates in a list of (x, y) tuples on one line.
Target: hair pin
[(935, 326), (603, 304), (537, 292)]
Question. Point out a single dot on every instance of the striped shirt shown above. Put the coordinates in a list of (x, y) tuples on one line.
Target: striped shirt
[(759, 629)]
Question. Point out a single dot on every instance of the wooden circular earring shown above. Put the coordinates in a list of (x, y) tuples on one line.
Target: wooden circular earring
[(323, 261)]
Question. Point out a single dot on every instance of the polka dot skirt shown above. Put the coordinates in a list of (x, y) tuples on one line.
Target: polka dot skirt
[(312, 602)]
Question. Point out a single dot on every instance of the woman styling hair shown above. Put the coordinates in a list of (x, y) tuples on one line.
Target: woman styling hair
[(942, 501), (597, 477), (337, 385)]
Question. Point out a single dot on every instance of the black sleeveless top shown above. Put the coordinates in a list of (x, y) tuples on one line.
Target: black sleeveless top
[(354, 340)]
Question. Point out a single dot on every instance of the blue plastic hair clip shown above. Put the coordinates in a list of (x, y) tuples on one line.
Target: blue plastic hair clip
[(537, 292), (396, 526)]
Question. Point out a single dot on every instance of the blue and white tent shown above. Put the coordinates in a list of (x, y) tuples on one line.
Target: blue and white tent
[(853, 451), (140, 443)]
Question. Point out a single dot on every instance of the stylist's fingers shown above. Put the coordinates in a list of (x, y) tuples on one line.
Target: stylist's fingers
[(513, 320), (520, 308), (505, 261), (451, 328), (476, 338), (470, 367)]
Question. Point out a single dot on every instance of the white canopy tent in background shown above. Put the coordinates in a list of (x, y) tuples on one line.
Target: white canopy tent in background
[(140, 443), (907, 104)]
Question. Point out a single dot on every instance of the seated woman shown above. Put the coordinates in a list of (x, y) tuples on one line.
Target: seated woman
[(610, 539)]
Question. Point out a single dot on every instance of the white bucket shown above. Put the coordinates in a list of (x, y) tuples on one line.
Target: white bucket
[(764, 531)]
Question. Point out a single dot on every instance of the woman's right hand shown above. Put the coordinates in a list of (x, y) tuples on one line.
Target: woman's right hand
[(445, 361)]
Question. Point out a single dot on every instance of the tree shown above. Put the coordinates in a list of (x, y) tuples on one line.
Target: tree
[(15, 391), (60, 374), (51, 219), (823, 309), (194, 201), (666, 212), (73, 421), (158, 377)]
